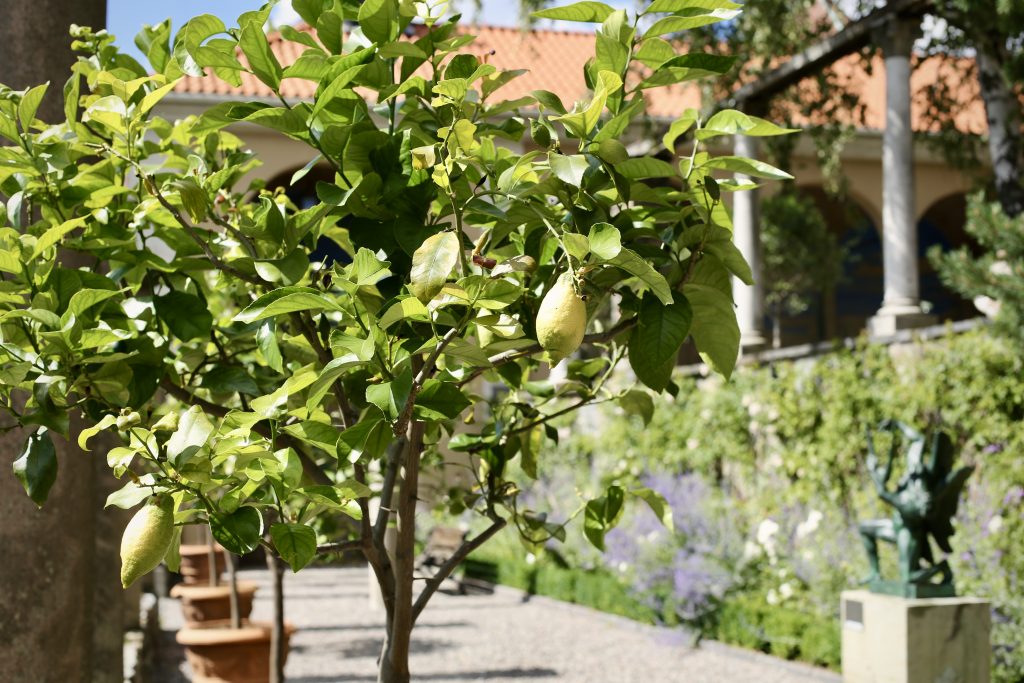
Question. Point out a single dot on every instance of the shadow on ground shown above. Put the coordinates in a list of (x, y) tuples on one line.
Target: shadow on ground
[(488, 675)]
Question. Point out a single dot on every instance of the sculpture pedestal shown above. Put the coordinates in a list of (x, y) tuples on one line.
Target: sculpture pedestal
[(891, 639)]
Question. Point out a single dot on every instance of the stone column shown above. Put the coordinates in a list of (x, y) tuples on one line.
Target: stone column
[(901, 305), (746, 225)]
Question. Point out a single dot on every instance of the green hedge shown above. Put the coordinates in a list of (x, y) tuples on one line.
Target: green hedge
[(780, 441), (595, 588)]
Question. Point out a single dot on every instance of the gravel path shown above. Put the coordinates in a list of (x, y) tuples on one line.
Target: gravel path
[(498, 637)]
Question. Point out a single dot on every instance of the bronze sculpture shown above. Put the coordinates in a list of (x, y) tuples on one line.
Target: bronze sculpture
[(925, 501)]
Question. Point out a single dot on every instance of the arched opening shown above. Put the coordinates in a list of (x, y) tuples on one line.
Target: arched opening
[(303, 194), (844, 310), (942, 226)]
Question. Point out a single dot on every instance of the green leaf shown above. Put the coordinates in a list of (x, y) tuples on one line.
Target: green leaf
[(379, 20), (238, 532), (128, 496), (581, 121), (288, 270), (318, 434), (173, 557), (89, 432), (676, 24), (674, 6), (194, 430), (229, 379), (440, 401), (602, 514), (36, 469), (54, 235), (750, 167), (659, 506), (605, 241), (285, 300), (29, 105), (646, 167), (679, 127), (587, 11), (338, 85), (636, 402), (193, 197), (687, 68), (432, 263), (409, 308), (629, 261), (262, 61), (391, 396), (568, 168), (186, 315), (654, 343), (714, 328), (576, 244), (295, 543), (266, 339), (732, 122), (370, 436)]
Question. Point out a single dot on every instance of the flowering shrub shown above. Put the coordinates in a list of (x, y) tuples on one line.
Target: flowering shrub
[(765, 538)]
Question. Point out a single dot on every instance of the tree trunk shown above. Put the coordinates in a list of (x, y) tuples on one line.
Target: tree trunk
[(50, 577), (35, 46), (277, 631), (394, 662), (1002, 110)]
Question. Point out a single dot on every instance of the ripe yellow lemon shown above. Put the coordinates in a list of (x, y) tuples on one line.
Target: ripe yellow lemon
[(561, 320), (146, 539)]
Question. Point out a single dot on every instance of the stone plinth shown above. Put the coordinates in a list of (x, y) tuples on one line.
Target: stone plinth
[(890, 639)]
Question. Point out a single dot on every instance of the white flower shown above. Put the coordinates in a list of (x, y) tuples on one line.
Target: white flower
[(807, 555), (692, 443), (623, 566), (810, 525), (995, 524), (751, 550), (988, 306), (786, 591), (1000, 268), (773, 597), (530, 558), (766, 531)]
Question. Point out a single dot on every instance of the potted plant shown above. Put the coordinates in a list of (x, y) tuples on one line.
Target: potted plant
[(231, 648), (306, 388), (213, 600)]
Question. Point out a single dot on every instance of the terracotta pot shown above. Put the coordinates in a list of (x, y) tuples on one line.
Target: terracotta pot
[(218, 653), (195, 564), (213, 603)]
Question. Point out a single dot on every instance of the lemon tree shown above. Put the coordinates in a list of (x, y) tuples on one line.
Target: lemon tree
[(274, 397)]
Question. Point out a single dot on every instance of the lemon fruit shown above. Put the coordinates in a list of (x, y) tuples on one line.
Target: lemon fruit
[(561, 320), (146, 539)]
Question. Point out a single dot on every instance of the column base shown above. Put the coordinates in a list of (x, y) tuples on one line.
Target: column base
[(891, 639), (752, 342), (891, 319)]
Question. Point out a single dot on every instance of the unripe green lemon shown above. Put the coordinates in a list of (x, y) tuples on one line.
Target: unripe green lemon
[(561, 320), (146, 539)]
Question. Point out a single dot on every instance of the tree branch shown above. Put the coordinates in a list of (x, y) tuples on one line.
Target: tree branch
[(434, 582), (428, 366), (340, 546), (515, 354)]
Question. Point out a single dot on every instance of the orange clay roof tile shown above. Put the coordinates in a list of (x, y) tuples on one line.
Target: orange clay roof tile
[(554, 61)]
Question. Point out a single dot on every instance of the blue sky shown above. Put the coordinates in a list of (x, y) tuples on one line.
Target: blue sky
[(126, 17)]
